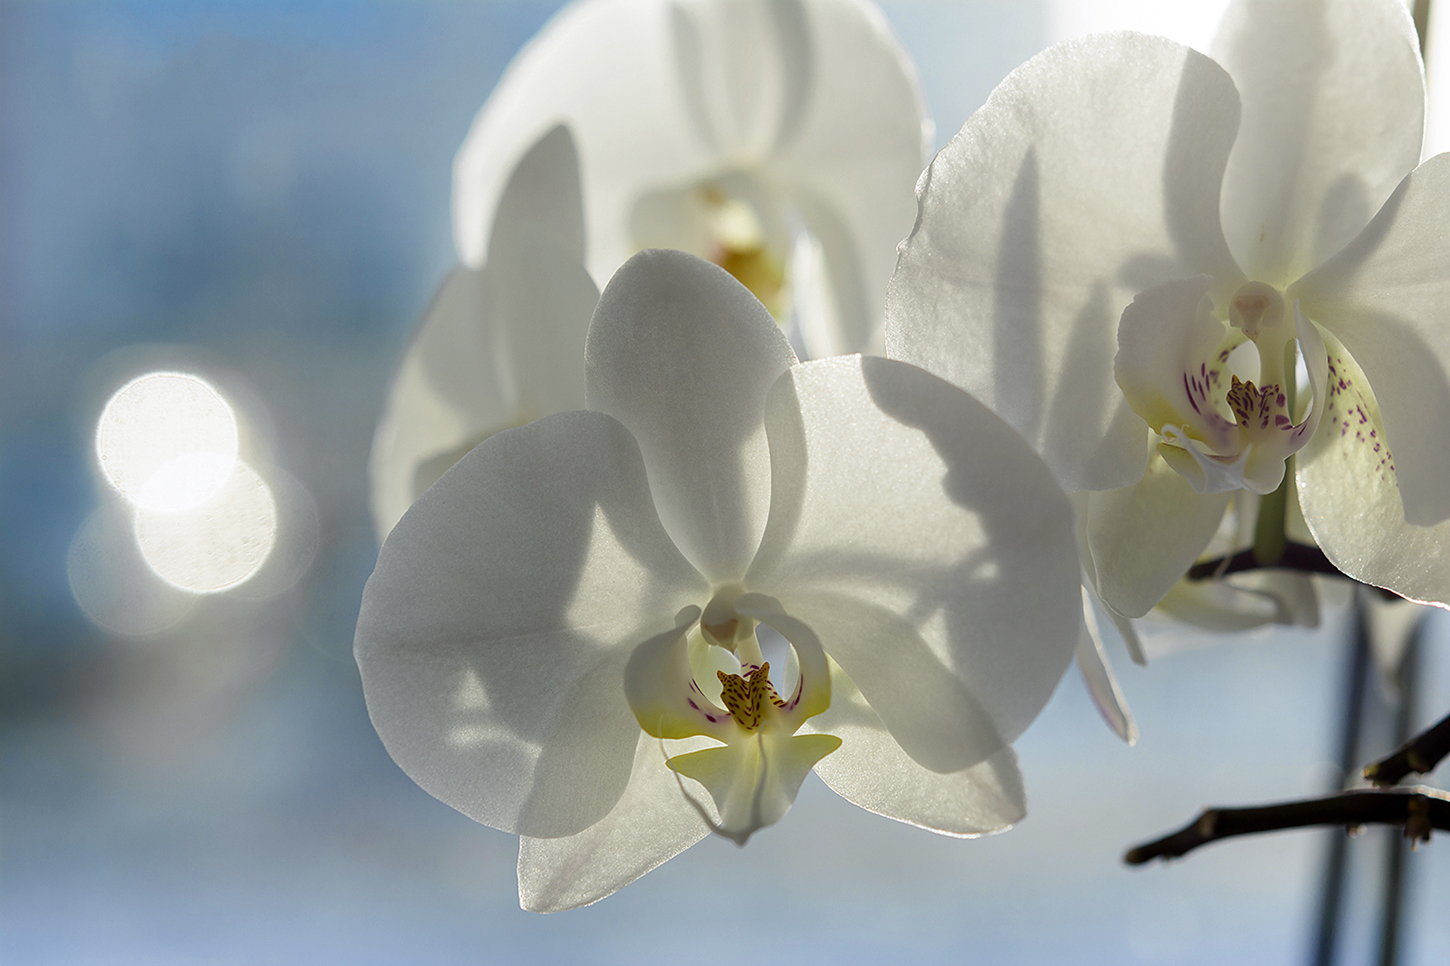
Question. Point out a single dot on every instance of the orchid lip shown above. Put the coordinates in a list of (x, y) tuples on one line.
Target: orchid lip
[(1219, 434), (709, 677)]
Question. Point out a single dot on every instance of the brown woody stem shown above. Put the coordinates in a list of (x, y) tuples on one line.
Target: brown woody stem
[(1417, 809), (1418, 755)]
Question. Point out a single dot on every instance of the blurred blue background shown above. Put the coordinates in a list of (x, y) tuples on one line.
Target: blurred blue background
[(258, 193)]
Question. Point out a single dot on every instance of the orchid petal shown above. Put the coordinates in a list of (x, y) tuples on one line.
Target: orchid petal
[(1350, 492), (422, 431), (573, 73), (1386, 298), (494, 633), (498, 346), (683, 354), (651, 824), (542, 296), (920, 699), (745, 69), (1333, 113), (1091, 174), (1144, 537), (899, 498), (1097, 674), (1131, 641), (852, 161), (1091, 600), (871, 770)]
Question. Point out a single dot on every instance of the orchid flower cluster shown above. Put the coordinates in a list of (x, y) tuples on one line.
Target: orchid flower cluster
[(644, 570)]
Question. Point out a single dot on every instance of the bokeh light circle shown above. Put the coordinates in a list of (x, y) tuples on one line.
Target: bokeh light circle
[(167, 441), (115, 588), (298, 534), (217, 545)]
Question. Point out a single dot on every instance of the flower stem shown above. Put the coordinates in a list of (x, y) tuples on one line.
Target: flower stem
[(1417, 809), (1270, 539), (1420, 754)]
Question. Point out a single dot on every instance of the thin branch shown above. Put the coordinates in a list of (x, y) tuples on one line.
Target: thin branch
[(1417, 809), (1418, 755)]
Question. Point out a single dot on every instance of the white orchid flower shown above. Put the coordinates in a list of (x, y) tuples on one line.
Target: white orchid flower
[(780, 139), (562, 637), (1121, 251)]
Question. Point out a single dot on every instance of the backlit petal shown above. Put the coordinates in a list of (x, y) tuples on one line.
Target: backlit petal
[(871, 770), (1333, 111), (494, 632), (1144, 537), (1350, 494), (930, 713), (1242, 601), (898, 496), (425, 428), (745, 69), (683, 354), (652, 823), (852, 162), (1097, 674), (1091, 174), (498, 346), (1386, 297), (607, 69)]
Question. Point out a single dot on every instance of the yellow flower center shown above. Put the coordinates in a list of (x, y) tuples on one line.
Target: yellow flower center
[(744, 696), (738, 245)]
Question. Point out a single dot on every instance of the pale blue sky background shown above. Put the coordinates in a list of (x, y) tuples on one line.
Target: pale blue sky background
[(260, 192)]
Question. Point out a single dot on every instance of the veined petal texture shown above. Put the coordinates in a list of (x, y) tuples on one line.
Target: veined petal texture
[(494, 631), (909, 524), (1091, 174), (683, 355), (1333, 115)]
